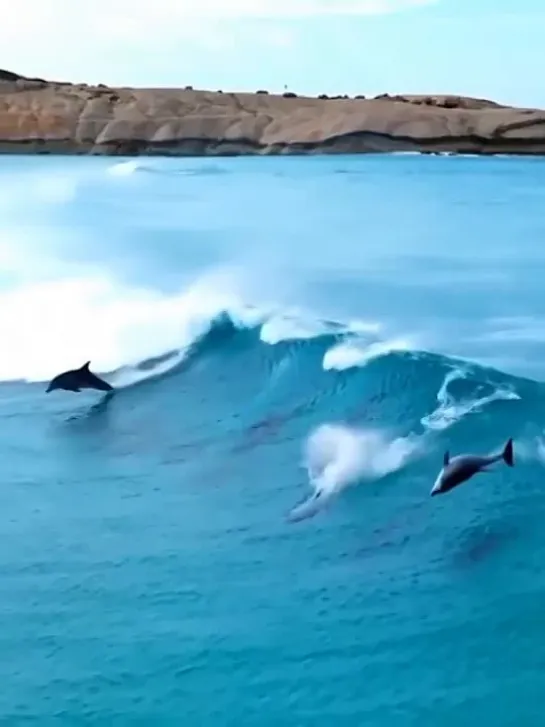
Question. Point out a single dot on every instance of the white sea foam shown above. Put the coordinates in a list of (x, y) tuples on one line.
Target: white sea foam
[(360, 327), (55, 315), (451, 411), (126, 168), (337, 456), (76, 314), (133, 166), (350, 354), (52, 325), (288, 327)]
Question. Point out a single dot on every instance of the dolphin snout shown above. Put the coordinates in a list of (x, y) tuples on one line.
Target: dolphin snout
[(437, 489)]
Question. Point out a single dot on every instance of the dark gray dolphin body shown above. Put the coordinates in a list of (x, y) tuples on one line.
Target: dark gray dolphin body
[(460, 469), (78, 379)]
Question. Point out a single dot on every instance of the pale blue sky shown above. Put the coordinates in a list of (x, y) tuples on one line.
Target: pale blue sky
[(490, 48)]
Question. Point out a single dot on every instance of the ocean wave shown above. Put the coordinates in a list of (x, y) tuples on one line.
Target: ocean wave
[(362, 422), (52, 325), (56, 312), (126, 168), (452, 409), (133, 166), (55, 324)]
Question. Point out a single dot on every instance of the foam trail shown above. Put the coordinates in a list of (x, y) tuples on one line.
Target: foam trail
[(337, 456)]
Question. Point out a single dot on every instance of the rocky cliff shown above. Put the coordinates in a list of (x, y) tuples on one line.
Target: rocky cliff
[(38, 116)]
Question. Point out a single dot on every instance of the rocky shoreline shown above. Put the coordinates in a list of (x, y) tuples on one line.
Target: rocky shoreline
[(47, 117)]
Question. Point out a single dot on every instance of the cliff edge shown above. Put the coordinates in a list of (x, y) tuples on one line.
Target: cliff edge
[(38, 116)]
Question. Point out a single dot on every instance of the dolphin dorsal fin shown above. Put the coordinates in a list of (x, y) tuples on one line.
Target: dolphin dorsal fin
[(85, 366), (446, 458)]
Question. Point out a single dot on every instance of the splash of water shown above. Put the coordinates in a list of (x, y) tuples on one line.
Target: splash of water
[(337, 456), (52, 325)]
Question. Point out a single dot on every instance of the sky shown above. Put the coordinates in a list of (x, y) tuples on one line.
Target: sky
[(485, 48)]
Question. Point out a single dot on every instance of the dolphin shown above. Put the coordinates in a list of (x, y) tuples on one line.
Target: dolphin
[(307, 509), (78, 379), (461, 468)]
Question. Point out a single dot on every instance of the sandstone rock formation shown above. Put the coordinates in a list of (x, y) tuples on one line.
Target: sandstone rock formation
[(38, 116)]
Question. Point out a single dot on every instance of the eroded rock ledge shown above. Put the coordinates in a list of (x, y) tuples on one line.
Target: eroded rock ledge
[(38, 116)]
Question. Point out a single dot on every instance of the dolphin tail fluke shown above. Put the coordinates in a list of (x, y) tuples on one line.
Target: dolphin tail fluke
[(508, 453)]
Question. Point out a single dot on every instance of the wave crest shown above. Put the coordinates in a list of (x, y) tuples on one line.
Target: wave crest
[(451, 409)]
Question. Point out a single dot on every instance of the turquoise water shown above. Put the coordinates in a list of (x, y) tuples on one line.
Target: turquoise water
[(274, 327)]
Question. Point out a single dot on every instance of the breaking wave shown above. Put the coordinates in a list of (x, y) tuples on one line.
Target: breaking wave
[(368, 399)]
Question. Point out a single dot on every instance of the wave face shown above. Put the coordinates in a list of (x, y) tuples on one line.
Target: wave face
[(294, 344)]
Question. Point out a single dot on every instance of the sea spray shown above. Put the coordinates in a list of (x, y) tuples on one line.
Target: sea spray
[(337, 456)]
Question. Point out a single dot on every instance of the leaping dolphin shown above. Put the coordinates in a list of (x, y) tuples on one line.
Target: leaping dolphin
[(459, 469), (78, 379)]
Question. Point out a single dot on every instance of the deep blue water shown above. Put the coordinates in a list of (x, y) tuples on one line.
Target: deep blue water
[(274, 327)]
